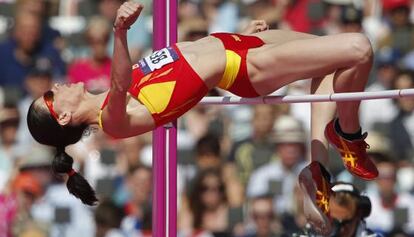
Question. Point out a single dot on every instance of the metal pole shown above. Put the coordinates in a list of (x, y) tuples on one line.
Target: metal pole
[(172, 135), (351, 96), (164, 219)]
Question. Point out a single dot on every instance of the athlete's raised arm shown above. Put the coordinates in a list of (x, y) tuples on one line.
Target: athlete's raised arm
[(121, 65)]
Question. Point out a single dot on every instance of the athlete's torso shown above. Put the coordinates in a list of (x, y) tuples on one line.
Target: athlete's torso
[(172, 80), (207, 57)]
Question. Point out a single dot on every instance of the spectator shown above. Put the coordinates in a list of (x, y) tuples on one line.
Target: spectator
[(187, 10), (16, 204), (28, 190), (280, 175), (50, 208), (208, 209), (401, 31), (208, 155), (193, 29), (199, 121), (208, 152), (351, 19), (401, 128), (265, 222), (138, 208), (263, 9), (304, 15), (108, 219), (129, 154), (386, 73), (41, 8), (348, 210), (65, 215), (95, 70), (9, 123), (221, 15), (37, 161), (19, 51), (257, 150), (390, 208), (38, 81)]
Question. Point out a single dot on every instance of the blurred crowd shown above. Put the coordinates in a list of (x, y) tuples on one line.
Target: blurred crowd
[(238, 165)]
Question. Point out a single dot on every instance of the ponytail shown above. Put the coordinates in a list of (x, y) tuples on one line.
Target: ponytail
[(77, 184)]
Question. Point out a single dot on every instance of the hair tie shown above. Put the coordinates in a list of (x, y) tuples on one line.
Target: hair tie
[(71, 172)]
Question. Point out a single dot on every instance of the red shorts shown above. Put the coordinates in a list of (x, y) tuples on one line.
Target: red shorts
[(235, 78)]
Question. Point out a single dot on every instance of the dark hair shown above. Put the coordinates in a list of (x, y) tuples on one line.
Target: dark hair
[(109, 215), (197, 207), (348, 195), (132, 169), (208, 145), (46, 130)]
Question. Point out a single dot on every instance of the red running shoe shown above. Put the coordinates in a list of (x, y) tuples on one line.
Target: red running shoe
[(353, 153), (314, 180)]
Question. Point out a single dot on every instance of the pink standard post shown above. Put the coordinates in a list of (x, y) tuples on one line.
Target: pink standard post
[(164, 212)]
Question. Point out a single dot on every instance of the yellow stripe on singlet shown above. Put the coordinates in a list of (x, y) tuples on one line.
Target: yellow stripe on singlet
[(100, 119), (156, 97), (233, 61)]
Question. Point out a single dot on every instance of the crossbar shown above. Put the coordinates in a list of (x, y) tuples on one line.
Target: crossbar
[(349, 96)]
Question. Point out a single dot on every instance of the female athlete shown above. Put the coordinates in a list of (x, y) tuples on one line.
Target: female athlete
[(163, 86)]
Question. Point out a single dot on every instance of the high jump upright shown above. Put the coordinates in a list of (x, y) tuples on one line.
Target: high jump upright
[(164, 210)]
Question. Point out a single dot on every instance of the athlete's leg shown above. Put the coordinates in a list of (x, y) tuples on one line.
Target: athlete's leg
[(349, 56), (321, 114), (279, 37), (314, 180)]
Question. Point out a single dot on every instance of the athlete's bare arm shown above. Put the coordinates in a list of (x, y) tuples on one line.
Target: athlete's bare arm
[(115, 117)]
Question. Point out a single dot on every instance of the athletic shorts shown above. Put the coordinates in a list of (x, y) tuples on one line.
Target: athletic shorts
[(235, 78)]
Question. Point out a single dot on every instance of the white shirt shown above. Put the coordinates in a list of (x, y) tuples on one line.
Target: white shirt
[(382, 218), (376, 111), (274, 171), (81, 216)]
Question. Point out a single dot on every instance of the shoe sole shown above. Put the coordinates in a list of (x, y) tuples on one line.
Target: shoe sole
[(313, 214)]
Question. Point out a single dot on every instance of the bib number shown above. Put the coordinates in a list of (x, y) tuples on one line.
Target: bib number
[(158, 59)]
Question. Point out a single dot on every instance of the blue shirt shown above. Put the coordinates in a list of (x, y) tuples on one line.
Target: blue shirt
[(13, 72)]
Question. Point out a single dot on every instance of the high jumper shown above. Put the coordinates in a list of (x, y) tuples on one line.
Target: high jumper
[(163, 86)]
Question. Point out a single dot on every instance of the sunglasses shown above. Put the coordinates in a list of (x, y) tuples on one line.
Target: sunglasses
[(48, 98), (212, 188)]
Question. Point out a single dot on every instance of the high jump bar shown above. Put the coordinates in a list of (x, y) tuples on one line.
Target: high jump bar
[(348, 96)]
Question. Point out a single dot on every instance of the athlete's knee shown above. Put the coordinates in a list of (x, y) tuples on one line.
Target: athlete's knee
[(360, 48)]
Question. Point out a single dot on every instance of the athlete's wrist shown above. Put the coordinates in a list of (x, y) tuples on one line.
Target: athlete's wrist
[(120, 28)]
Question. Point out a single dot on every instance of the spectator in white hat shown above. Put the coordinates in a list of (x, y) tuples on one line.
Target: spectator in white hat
[(280, 175)]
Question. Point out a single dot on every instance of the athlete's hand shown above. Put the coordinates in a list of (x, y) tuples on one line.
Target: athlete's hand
[(127, 14), (256, 26)]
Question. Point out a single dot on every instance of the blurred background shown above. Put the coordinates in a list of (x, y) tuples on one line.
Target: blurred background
[(238, 165)]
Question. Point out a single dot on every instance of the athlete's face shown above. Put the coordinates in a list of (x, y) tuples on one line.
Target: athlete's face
[(66, 97)]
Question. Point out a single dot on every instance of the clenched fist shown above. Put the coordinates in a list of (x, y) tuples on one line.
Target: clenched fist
[(256, 26), (127, 14)]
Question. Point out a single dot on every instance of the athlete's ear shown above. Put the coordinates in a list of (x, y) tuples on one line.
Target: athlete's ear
[(64, 118)]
